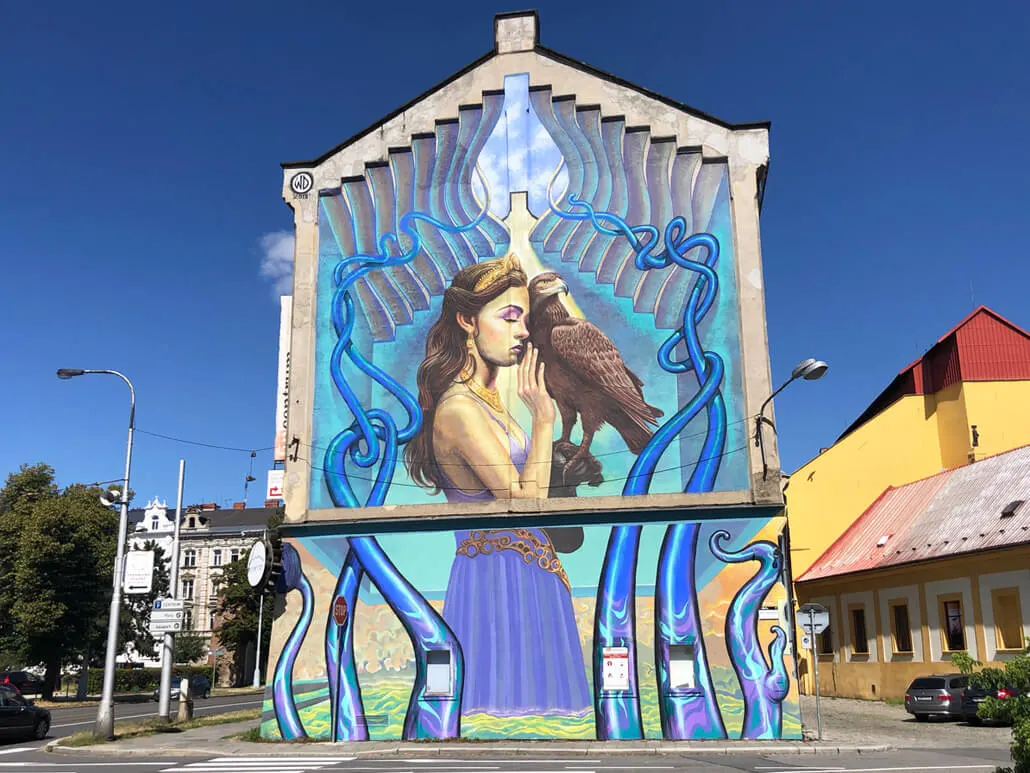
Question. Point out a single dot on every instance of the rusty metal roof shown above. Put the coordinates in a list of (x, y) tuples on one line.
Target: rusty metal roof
[(953, 512)]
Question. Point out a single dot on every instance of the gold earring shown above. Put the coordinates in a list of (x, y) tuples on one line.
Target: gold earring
[(469, 343)]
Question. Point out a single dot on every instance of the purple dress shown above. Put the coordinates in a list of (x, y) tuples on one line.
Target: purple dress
[(510, 605)]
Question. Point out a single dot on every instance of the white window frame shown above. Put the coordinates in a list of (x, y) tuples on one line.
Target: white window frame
[(187, 582), (863, 599), (910, 594), (961, 586), (216, 557), (1019, 579)]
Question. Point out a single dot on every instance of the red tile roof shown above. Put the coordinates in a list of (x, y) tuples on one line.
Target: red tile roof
[(982, 347), (956, 511)]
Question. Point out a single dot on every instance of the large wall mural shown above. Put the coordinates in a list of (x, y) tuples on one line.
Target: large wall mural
[(533, 301), (513, 633), (530, 249)]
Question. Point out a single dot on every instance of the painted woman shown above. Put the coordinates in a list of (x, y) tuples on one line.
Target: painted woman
[(508, 598)]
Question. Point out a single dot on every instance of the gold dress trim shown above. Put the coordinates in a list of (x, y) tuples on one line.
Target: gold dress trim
[(523, 541)]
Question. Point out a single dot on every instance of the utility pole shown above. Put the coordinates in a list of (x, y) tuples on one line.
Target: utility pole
[(168, 646)]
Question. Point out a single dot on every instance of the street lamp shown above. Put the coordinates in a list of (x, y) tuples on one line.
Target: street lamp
[(809, 370), (104, 727)]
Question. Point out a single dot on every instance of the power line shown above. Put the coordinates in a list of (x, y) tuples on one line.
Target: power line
[(203, 444)]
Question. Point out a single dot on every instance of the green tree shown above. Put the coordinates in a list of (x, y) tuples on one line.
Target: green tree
[(56, 558), (1014, 711), (190, 647), (238, 606), (134, 621), (30, 484)]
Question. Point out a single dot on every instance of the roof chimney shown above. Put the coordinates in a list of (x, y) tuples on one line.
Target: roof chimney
[(271, 503), (239, 505), (517, 31)]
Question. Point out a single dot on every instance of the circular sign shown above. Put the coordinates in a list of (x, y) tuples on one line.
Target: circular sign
[(257, 563), (302, 183), (340, 610)]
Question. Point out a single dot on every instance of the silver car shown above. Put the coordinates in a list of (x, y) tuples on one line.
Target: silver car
[(939, 695)]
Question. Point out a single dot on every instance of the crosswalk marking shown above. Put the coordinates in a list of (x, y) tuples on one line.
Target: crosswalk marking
[(258, 765)]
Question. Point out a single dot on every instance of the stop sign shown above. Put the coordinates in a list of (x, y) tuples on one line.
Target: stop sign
[(340, 610)]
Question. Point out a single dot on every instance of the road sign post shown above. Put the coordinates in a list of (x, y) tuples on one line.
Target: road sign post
[(815, 619), (168, 645)]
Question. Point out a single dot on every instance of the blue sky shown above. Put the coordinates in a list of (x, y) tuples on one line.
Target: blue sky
[(141, 144)]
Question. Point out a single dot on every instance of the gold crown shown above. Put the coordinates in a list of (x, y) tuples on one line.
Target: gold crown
[(502, 267)]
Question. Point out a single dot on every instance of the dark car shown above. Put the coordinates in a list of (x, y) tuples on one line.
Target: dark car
[(199, 686), (19, 717), (974, 696), (27, 683), (939, 695)]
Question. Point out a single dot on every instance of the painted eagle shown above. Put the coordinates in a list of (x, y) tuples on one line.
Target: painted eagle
[(585, 372)]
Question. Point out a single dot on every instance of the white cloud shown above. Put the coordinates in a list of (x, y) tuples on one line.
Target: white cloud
[(277, 261)]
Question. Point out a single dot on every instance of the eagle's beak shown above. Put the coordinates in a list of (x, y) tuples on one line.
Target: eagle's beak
[(563, 288)]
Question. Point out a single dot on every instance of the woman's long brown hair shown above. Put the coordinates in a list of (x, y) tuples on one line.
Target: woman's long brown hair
[(446, 355)]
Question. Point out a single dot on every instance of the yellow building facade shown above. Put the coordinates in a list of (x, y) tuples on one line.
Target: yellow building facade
[(921, 424), (964, 403)]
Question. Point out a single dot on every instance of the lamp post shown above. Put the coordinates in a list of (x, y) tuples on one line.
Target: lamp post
[(104, 727), (810, 370)]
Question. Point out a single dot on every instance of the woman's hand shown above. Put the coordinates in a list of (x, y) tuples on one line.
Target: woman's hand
[(532, 388)]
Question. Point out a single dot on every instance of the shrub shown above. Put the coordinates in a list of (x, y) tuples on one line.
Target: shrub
[(1016, 711), (138, 679)]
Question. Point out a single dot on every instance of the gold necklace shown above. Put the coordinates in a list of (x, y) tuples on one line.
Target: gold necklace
[(489, 396)]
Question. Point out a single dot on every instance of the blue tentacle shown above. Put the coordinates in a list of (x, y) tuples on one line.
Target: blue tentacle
[(347, 715), (764, 686), (286, 714), (677, 618)]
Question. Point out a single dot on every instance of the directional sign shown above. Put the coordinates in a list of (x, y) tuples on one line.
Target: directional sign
[(169, 626), (163, 616), (813, 618), (168, 604), (139, 571)]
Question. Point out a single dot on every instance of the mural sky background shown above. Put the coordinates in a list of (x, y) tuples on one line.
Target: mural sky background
[(145, 143)]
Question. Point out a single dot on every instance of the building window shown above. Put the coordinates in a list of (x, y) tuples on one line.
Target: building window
[(234, 555), (216, 586), (154, 523), (953, 631), (216, 557), (901, 631), (1008, 626), (189, 559), (824, 641), (191, 523), (211, 621), (859, 640), (187, 590), (187, 619)]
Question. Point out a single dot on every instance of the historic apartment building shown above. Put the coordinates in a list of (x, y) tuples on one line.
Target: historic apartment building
[(526, 350), (210, 538)]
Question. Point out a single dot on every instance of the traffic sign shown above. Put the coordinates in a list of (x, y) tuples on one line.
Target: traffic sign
[(139, 572), (165, 626), (168, 604), (340, 610), (813, 618), (163, 616)]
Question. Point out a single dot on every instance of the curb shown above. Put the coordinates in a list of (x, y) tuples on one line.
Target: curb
[(400, 751)]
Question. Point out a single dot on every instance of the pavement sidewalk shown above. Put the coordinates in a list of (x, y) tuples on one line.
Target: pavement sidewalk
[(212, 741)]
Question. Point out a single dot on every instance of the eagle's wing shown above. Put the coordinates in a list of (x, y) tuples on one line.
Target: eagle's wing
[(590, 354)]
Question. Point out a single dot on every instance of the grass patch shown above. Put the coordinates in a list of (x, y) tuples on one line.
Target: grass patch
[(126, 730), (894, 701), (253, 736)]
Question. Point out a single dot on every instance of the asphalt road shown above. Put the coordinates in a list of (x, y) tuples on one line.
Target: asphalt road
[(64, 722), (18, 758)]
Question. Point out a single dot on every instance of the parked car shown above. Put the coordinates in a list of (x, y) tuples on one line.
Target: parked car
[(199, 686), (27, 684), (20, 717), (939, 695), (974, 696)]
